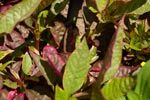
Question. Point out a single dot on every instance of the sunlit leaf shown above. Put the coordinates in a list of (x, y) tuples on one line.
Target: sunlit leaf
[(117, 87), (93, 56), (76, 68), (143, 81), (122, 98), (27, 64), (4, 53), (56, 7), (60, 94), (3, 66), (16, 14), (101, 4), (133, 96), (143, 9), (10, 84)]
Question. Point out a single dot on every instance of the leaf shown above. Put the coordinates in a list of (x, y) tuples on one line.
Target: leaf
[(113, 55), (55, 60), (1, 82), (10, 84), (45, 69), (11, 95), (143, 9), (133, 96), (33, 95), (14, 39), (3, 66), (76, 68), (5, 53), (101, 4), (40, 21), (129, 6), (60, 94), (121, 98), (93, 55), (143, 81), (56, 7), (16, 14), (26, 64), (42, 5), (117, 87)]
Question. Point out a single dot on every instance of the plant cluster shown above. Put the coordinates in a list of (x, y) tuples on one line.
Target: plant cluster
[(45, 56)]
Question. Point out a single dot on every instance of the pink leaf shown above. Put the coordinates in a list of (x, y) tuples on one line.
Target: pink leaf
[(11, 95), (54, 59), (4, 9)]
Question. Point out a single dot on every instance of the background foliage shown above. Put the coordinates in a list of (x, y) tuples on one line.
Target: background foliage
[(74, 49)]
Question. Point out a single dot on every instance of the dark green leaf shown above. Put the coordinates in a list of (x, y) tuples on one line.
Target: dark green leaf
[(130, 7), (76, 68)]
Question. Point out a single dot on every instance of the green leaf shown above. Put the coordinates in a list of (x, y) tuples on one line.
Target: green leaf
[(101, 4), (42, 6), (60, 94), (117, 87), (45, 69), (26, 64), (3, 66), (133, 96), (76, 68), (121, 98), (56, 7), (5, 53), (93, 56), (10, 84), (129, 7), (143, 9), (16, 14), (143, 81), (41, 17), (113, 56)]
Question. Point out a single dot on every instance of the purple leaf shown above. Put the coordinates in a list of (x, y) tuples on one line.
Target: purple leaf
[(14, 39), (54, 59), (4, 9), (19, 96), (33, 95), (11, 95)]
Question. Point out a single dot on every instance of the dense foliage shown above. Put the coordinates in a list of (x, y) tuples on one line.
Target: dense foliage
[(74, 49)]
